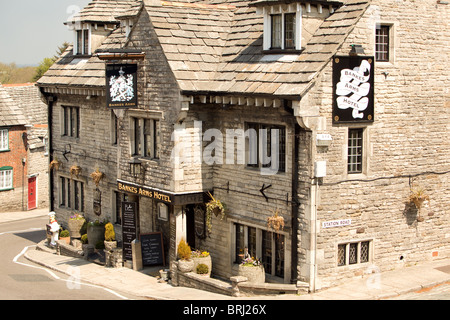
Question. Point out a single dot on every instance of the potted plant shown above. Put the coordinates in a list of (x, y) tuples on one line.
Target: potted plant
[(202, 257), (275, 222), (64, 235), (418, 197), (55, 164), (216, 207), (95, 232), (97, 176), (75, 171), (76, 224), (110, 237), (253, 270), (185, 264)]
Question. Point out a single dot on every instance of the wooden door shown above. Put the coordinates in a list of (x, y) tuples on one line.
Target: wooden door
[(32, 193)]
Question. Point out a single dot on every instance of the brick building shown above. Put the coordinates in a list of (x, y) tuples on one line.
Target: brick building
[(23, 153), (321, 111)]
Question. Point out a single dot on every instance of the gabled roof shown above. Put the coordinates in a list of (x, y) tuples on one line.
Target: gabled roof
[(215, 47), (102, 11), (10, 112)]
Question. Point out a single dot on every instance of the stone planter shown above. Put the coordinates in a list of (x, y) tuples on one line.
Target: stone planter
[(185, 265), (95, 234), (253, 274), (110, 245), (206, 261), (75, 226)]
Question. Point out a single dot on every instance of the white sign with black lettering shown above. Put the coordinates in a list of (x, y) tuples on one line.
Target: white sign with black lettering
[(336, 223)]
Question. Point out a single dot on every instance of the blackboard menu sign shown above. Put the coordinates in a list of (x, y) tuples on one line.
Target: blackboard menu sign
[(152, 249), (129, 232)]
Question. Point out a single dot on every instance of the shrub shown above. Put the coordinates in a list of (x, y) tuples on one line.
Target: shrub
[(202, 269), (64, 234), (100, 245), (84, 239), (110, 235), (184, 250)]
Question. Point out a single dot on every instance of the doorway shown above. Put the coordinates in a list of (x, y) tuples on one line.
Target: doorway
[(32, 193), (190, 225)]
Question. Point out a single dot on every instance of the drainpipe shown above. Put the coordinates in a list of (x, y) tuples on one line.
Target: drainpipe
[(50, 100), (295, 204)]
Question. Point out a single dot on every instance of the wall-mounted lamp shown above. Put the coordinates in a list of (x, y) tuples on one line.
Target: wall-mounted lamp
[(356, 49), (135, 167)]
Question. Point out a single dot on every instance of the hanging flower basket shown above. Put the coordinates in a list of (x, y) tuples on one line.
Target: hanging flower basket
[(75, 171), (97, 176), (55, 164), (216, 207), (275, 222), (418, 197)]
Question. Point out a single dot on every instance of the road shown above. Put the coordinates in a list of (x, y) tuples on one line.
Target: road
[(21, 279)]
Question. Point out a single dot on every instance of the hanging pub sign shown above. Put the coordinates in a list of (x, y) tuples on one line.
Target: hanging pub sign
[(121, 86), (353, 91)]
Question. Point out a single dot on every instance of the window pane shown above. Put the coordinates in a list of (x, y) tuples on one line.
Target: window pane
[(382, 43), (267, 251), (353, 253), (4, 139), (364, 255), (279, 255), (79, 42), (252, 144), (62, 200), (276, 30), (86, 41), (240, 245), (341, 255), (289, 31), (252, 242), (355, 150)]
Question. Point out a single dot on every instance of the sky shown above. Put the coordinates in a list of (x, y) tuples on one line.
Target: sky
[(31, 30)]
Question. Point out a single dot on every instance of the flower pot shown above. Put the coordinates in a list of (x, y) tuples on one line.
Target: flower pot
[(95, 233), (185, 265), (254, 274), (206, 261), (75, 226)]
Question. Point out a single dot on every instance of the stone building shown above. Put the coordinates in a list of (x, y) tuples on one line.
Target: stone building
[(330, 114), (23, 152)]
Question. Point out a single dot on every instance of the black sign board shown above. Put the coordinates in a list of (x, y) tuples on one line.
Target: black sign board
[(129, 232), (152, 249), (353, 91), (121, 86)]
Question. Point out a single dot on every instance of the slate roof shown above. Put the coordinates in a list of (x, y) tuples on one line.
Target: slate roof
[(104, 11), (215, 47), (10, 112)]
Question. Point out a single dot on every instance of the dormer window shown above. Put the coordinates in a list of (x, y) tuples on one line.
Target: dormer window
[(283, 31), (282, 28), (290, 24), (82, 42)]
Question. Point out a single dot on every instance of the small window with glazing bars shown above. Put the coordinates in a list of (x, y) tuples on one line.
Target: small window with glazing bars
[(355, 150), (382, 43)]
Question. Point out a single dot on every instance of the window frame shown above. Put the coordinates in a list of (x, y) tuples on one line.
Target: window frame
[(348, 260), (7, 185), (71, 193), (268, 44), (141, 145), (83, 42), (383, 48), (4, 146), (71, 121), (249, 150), (355, 167), (262, 237)]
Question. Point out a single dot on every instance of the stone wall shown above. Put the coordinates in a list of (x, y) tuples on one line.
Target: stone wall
[(93, 150), (405, 147)]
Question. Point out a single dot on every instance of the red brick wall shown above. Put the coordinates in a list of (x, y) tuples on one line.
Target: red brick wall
[(12, 199)]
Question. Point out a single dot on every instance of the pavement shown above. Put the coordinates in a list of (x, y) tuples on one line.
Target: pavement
[(145, 284)]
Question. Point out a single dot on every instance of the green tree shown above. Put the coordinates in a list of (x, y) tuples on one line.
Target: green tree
[(48, 62)]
